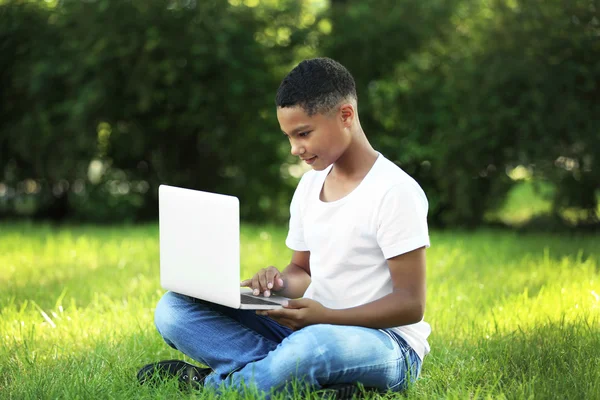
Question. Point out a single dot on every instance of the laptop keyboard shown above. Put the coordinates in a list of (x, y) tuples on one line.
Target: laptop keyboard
[(250, 299)]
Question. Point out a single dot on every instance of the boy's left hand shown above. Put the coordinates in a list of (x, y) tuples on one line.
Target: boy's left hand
[(298, 313)]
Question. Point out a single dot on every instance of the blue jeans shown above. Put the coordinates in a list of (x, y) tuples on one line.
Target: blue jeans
[(244, 348)]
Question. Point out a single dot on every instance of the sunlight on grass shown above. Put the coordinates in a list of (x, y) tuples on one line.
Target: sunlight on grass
[(512, 315)]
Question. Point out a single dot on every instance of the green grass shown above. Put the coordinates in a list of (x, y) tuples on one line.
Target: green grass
[(513, 316)]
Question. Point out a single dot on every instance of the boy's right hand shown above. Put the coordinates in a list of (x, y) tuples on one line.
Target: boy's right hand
[(264, 281)]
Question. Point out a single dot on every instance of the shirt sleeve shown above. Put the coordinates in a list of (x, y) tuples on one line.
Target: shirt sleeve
[(295, 237), (402, 220)]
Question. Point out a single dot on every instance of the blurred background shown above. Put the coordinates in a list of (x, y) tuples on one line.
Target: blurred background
[(493, 106)]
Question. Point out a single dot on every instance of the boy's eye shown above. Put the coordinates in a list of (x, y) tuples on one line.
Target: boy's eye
[(303, 134)]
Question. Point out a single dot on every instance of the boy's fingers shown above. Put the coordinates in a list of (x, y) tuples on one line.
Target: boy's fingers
[(278, 285), (297, 303), (271, 274), (255, 285), (263, 281)]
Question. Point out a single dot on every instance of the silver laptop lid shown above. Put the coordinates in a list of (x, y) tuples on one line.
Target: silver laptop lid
[(200, 244)]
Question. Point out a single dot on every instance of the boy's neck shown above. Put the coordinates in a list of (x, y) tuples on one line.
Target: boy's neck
[(357, 160)]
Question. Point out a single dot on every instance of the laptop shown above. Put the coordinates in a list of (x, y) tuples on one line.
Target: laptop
[(200, 248)]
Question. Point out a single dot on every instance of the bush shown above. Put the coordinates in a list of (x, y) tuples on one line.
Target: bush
[(162, 92)]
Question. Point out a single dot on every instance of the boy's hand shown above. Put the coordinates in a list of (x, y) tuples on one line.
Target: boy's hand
[(264, 281), (299, 313)]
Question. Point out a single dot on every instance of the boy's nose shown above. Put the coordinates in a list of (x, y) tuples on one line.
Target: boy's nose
[(297, 150)]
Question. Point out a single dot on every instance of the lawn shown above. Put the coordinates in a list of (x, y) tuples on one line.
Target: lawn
[(513, 316)]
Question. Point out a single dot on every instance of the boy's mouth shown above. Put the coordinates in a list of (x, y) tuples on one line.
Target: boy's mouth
[(311, 160)]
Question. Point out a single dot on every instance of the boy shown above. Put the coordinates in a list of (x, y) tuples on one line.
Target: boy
[(358, 232)]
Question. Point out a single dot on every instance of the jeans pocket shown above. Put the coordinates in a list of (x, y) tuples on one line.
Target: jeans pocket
[(409, 364)]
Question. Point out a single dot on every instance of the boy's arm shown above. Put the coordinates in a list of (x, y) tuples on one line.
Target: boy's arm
[(296, 276), (404, 306)]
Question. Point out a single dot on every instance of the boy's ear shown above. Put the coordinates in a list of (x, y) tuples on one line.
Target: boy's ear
[(347, 114)]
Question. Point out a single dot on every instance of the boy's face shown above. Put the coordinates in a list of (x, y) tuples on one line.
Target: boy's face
[(319, 140)]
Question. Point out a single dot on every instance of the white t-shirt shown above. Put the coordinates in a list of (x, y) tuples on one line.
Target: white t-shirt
[(350, 239)]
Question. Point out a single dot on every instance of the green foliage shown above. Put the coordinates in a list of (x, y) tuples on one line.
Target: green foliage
[(157, 92), (513, 316), (459, 91), (103, 100)]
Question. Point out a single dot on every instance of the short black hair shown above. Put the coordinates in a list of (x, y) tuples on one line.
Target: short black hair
[(317, 85)]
